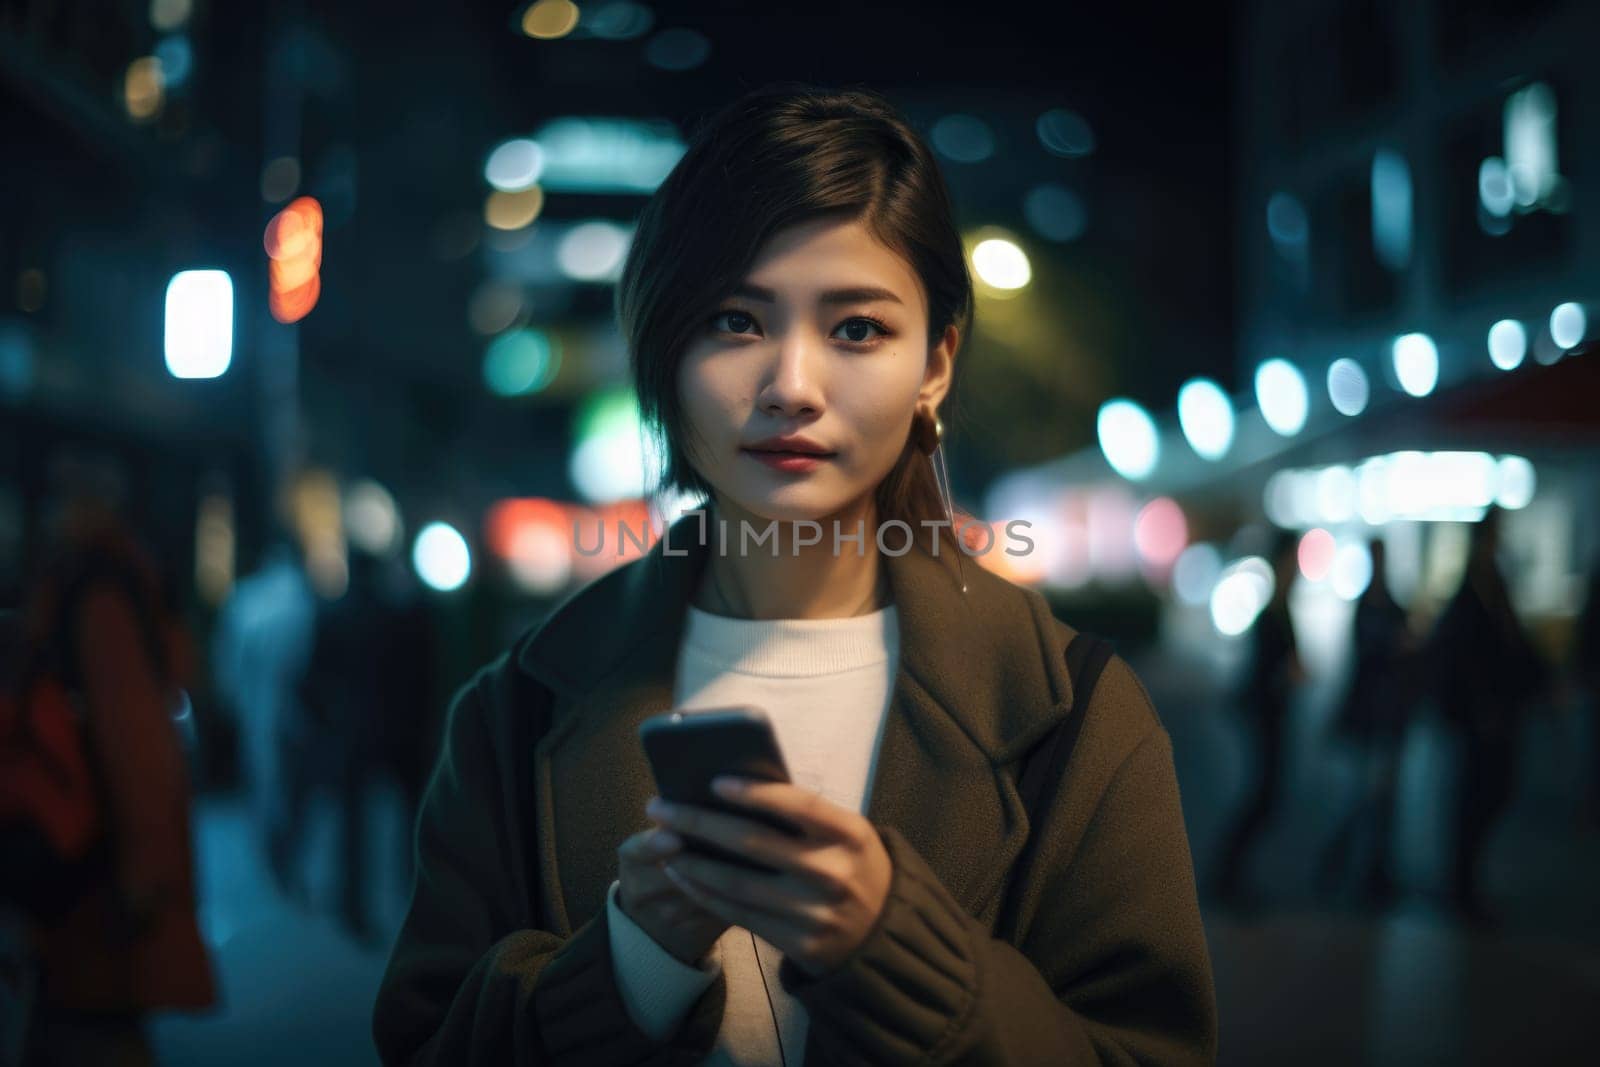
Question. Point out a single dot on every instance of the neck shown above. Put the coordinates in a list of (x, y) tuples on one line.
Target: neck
[(793, 581)]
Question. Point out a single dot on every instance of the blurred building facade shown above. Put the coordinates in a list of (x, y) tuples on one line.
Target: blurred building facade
[(1418, 242), (1419, 237)]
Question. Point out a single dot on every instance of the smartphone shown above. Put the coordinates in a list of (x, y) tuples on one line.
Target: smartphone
[(688, 749)]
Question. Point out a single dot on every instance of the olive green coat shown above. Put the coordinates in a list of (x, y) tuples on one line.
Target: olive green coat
[(504, 956)]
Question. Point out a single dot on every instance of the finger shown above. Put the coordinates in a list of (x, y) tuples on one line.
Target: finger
[(649, 846), (648, 883), (772, 894), (744, 836), (811, 812), (777, 927)]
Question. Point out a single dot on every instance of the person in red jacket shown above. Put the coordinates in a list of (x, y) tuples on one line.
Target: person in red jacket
[(129, 943)]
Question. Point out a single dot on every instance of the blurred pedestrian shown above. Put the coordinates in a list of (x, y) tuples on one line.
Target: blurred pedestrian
[(1273, 672), (1486, 671), (365, 691), (409, 722), (262, 641), (122, 938), (1586, 673), (1372, 720)]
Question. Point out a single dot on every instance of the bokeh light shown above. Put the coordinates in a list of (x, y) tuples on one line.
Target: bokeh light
[(317, 515), (617, 20), (1128, 438), (18, 363), (541, 559), (176, 57), (1336, 494), (1195, 572), (293, 241), (513, 211), (372, 519), (1391, 208), (963, 138), (1315, 554), (1416, 363), (1568, 324), (1055, 212), (677, 49), (593, 251), (1243, 590), (514, 165), (535, 538), (1001, 263), (1065, 133), (214, 548), (143, 88), (520, 362), (1286, 221), (441, 557), (1206, 416), (1281, 395), (1494, 188), (495, 306), (612, 452), (1351, 572), (170, 14), (199, 323), (1348, 389), (1514, 483), (1160, 532), (1508, 344), (279, 179), (550, 20)]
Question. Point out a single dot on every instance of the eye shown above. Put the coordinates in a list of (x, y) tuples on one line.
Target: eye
[(864, 322), (734, 317), (859, 328)]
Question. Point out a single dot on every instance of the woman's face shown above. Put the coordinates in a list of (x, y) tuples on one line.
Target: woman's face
[(826, 339)]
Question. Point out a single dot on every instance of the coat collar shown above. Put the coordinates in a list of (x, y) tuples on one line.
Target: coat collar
[(981, 677)]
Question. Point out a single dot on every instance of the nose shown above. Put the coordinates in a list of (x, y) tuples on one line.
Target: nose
[(794, 381)]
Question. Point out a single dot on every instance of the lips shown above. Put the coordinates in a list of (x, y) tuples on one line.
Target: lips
[(789, 452), (792, 445), (788, 462)]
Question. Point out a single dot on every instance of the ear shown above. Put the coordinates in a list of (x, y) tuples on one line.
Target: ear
[(940, 369)]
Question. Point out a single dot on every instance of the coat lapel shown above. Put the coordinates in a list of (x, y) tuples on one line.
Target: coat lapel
[(980, 679)]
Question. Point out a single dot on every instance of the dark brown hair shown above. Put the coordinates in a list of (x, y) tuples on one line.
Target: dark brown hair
[(780, 156)]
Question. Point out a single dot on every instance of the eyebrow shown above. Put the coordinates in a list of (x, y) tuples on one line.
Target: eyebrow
[(855, 295)]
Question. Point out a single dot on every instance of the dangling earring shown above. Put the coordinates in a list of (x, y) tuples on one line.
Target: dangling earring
[(930, 441)]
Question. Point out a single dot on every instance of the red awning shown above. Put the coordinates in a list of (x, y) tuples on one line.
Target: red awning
[(1561, 400)]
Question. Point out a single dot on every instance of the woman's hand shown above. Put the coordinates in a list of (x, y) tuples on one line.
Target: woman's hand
[(831, 881), (659, 907)]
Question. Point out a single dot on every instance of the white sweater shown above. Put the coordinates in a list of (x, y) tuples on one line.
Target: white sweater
[(825, 684)]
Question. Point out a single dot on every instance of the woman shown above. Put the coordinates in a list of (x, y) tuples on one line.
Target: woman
[(799, 275)]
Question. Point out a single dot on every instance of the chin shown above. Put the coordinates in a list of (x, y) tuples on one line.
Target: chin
[(796, 503)]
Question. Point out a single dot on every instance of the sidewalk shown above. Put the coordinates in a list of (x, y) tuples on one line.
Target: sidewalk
[(294, 988), (1299, 982), (1306, 979)]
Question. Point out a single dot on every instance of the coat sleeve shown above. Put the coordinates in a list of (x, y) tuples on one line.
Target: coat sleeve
[(472, 979), (1112, 968)]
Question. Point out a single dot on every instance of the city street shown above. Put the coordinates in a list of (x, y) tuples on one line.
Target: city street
[(1302, 980)]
